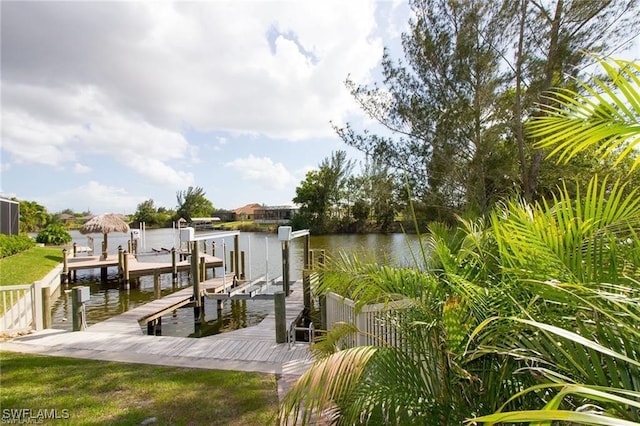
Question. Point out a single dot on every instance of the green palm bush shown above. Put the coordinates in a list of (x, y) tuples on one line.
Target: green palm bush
[(530, 315), (580, 334)]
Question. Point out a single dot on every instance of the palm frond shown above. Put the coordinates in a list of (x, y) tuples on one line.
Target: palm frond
[(324, 384), (606, 116), (586, 238)]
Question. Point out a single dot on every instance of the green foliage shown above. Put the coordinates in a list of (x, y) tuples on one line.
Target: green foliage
[(333, 199), (529, 316), (193, 203), (12, 244), (33, 216), (321, 194), (605, 117), (54, 234), (146, 212), (452, 109)]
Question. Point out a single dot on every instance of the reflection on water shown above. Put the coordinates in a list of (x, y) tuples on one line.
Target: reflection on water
[(107, 299)]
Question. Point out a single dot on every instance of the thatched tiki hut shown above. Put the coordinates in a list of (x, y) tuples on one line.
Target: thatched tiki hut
[(103, 224)]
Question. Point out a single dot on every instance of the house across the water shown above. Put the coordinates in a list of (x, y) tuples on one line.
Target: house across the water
[(274, 214)]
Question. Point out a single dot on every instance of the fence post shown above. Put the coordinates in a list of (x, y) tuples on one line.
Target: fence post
[(362, 327), (322, 300), (306, 288), (36, 294)]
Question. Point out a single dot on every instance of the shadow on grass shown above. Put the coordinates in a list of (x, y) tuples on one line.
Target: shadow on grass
[(97, 392)]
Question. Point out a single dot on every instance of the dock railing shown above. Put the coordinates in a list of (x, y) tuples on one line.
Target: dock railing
[(375, 322)]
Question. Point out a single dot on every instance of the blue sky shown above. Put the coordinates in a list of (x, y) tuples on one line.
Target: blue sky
[(108, 104)]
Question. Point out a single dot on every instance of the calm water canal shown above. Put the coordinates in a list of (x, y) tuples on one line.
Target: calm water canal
[(263, 253)]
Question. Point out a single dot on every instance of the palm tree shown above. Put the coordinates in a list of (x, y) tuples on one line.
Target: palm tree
[(528, 316)]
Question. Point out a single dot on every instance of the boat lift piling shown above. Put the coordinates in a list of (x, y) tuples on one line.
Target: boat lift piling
[(198, 270), (285, 235)]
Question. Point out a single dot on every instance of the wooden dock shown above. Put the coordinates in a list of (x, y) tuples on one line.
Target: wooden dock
[(136, 268), (132, 321), (249, 349)]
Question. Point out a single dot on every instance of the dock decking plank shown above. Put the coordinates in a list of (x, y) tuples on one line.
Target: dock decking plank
[(248, 349)]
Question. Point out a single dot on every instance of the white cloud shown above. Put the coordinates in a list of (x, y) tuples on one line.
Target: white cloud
[(54, 126), (208, 65), (138, 84), (97, 198), (263, 172), (81, 168)]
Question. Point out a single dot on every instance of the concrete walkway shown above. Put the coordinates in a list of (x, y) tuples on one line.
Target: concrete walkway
[(251, 349)]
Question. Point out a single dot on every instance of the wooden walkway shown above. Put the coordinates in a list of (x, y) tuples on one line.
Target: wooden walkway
[(132, 321), (248, 349)]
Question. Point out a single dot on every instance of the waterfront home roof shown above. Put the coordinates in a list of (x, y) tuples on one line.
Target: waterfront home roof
[(247, 209)]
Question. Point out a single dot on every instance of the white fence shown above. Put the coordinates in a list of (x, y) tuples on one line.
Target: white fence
[(374, 322), (21, 306), (18, 304)]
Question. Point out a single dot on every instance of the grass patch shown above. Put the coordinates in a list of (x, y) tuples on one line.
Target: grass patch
[(99, 392), (29, 266)]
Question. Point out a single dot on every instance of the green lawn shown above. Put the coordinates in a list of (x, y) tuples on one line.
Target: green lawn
[(29, 266), (99, 392)]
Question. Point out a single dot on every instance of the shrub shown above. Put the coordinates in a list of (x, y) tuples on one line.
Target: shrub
[(12, 244), (53, 234)]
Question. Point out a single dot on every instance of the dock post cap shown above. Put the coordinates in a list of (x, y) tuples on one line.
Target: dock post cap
[(284, 233)]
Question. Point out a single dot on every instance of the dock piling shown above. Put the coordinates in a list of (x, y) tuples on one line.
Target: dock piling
[(280, 310), (120, 263), (286, 271), (64, 277), (46, 307), (156, 285), (236, 251), (203, 269), (242, 266), (195, 276), (77, 305), (125, 267), (174, 266)]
